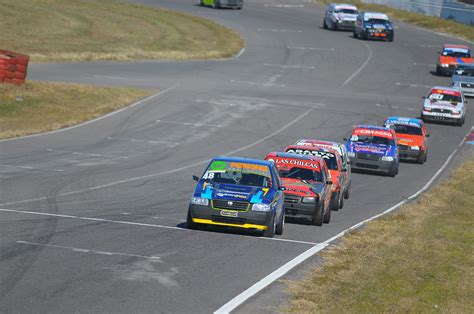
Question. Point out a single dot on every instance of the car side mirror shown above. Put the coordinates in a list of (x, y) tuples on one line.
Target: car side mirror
[(195, 178), (328, 182)]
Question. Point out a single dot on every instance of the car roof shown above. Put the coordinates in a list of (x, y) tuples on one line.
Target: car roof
[(310, 140), (345, 5), (326, 149), (448, 88), (243, 159), (375, 15), (293, 156), (372, 127), (404, 120), (455, 46)]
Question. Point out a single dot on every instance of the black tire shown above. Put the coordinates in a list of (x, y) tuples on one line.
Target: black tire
[(334, 27), (461, 122), (335, 203), (327, 217), (279, 228), (355, 34), (421, 158), (239, 8), (393, 171), (270, 232), (438, 71), (347, 192), (318, 216), (390, 39), (325, 26), (201, 3), (189, 222), (422, 117), (426, 155), (216, 4), (341, 202)]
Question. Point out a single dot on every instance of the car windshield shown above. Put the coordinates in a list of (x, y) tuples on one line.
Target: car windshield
[(240, 173), (407, 129), (346, 11), (301, 174), (456, 53), (378, 21), (369, 139), (465, 71), (445, 97)]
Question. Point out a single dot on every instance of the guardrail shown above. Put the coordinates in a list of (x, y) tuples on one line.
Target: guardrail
[(445, 9)]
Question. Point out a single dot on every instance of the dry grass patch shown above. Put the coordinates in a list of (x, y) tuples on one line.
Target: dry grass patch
[(37, 107), (418, 260), (77, 30), (431, 22)]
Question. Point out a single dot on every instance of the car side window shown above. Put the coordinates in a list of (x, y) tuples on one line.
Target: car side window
[(276, 178)]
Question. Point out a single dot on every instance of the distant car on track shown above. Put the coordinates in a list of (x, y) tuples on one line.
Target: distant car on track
[(411, 137), (463, 78), (334, 163), (373, 148), (450, 57), (340, 16), (241, 193), (444, 104), (307, 185), (373, 25), (341, 149), (217, 4)]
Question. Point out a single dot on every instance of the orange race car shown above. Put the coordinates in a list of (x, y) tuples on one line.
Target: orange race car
[(411, 137), (451, 57)]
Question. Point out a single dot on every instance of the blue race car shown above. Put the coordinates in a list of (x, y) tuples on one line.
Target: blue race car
[(373, 148), (239, 192)]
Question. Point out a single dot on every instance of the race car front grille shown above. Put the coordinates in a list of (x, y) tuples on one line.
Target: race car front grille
[(467, 85), (438, 110), (368, 156), (230, 205), (360, 165), (229, 220), (292, 198), (403, 147)]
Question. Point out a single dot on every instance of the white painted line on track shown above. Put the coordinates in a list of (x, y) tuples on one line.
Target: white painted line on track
[(32, 168), (96, 119), (310, 48), (74, 249), (413, 85), (154, 217), (278, 273), (240, 53), (361, 67), (424, 64), (139, 224), (84, 154), (189, 123), (257, 84), (284, 5), (170, 144), (153, 175), (285, 66), (279, 30)]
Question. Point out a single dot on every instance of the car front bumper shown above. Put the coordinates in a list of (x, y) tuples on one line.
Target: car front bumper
[(407, 153), (468, 91), (435, 116), (295, 208), (231, 3), (345, 24), (230, 218), (372, 165), (379, 35)]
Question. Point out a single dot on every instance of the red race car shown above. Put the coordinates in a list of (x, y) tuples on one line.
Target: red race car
[(334, 163), (307, 186), (451, 57)]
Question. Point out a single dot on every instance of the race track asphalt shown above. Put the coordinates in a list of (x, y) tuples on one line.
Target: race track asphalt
[(92, 218)]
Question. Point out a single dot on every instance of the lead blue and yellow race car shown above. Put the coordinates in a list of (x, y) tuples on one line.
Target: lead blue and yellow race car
[(241, 193)]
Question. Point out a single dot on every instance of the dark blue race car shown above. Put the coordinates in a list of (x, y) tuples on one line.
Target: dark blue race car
[(241, 193)]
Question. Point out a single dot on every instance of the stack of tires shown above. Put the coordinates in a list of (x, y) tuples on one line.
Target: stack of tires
[(13, 67)]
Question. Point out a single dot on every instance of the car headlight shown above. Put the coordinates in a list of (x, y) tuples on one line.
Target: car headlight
[(200, 201), (456, 112), (444, 65), (260, 207), (427, 109), (308, 199), (415, 147), (351, 154), (387, 158)]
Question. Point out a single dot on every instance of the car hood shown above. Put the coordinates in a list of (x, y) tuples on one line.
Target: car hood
[(366, 148), (346, 16), (409, 139), (301, 187), (233, 192), (442, 104), (463, 78)]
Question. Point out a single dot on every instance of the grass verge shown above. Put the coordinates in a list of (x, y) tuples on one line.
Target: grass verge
[(418, 260), (78, 30), (430, 22), (37, 107)]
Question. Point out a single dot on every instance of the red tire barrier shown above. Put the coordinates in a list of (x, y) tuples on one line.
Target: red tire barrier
[(13, 67)]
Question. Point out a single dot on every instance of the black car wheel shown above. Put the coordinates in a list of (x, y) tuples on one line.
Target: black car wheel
[(325, 26), (341, 202), (421, 158), (335, 202), (393, 171), (216, 4), (327, 217), (318, 216), (347, 193), (189, 222), (281, 225), (270, 232)]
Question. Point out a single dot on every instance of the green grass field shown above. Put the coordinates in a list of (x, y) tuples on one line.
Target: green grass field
[(419, 260), (37, 107), (78, 30)]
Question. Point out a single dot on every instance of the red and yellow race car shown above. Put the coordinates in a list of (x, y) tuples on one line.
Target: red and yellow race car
[(451, 57), (307, 186), (411, 137)]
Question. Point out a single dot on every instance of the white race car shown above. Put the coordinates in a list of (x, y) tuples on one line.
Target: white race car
[(445, 104)]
